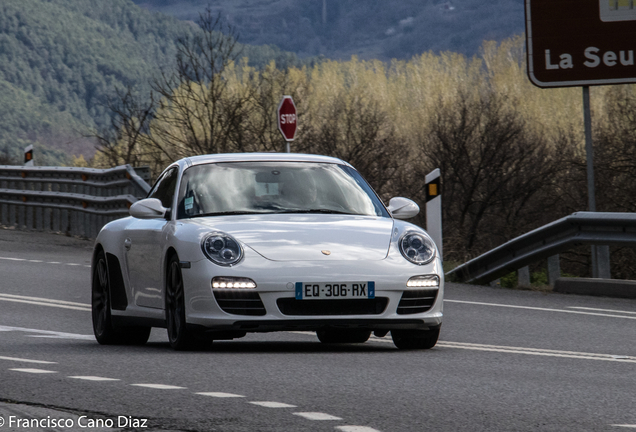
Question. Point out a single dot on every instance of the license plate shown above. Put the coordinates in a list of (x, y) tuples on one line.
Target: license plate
[(334, 290)]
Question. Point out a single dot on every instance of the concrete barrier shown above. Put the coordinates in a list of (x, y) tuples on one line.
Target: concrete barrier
[(596, 287)]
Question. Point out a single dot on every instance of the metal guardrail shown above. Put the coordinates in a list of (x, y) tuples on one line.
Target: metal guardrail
[(581, 228), (75, 201)]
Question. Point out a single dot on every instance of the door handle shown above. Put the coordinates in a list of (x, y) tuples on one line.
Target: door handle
[(127, 244)]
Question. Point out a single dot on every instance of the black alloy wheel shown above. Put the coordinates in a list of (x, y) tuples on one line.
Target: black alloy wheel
[(415, 339), (331, 335), (105, 332), (178, 334)]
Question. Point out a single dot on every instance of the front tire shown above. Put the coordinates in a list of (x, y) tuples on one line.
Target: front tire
[(178, 334), (415, 339), (105, 332), (330, 336)]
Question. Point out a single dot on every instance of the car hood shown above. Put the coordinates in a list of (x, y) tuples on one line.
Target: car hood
[(308, 237)]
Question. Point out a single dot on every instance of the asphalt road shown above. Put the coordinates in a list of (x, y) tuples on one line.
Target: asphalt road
[(507, 361)]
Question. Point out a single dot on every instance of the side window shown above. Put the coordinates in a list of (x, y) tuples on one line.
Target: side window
[(165, 187)]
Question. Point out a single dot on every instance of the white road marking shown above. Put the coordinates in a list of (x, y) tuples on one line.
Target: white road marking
[(530, 351), (41, 303), (539, 309), (273, 404), (601, 310), (46, 300), (316, 416), (220, 395), (94, 378), (159, 386), (40, 261), (356, 429), (27, 360), (61, 335), (34, 371), (539, 352)]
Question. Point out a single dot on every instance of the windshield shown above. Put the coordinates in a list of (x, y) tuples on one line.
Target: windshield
[(275, 187)]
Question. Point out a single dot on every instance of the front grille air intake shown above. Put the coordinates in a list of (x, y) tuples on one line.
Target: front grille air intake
[(291, 306), (416, 301), (240, 302)]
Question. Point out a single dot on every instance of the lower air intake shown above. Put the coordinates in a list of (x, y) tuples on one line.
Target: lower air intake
[(240, 302), (291, 306), (416, 301)]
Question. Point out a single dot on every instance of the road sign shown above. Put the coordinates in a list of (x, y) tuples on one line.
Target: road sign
[(581, 42), (287, 123), (28, 156)]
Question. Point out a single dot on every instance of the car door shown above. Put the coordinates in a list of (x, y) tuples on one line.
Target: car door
[(144, 244)]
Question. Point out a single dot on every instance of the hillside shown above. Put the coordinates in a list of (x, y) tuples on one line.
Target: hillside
[(369, 28), (60, 59)]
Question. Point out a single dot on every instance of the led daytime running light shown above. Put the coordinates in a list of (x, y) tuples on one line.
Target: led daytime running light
[(233, 283), (429, 281)]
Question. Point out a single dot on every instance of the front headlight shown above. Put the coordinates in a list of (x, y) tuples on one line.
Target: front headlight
[(222, 249), (417, 248)]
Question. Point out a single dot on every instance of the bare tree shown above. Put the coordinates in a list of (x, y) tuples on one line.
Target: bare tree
[(190, 110), (495, 173), (359, 132), (130, 117), (197, 112)]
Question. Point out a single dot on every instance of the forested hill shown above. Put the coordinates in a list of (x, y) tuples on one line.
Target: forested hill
[(369, 29), (60, 58)]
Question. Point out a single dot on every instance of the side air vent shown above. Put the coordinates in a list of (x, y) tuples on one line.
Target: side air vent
[(118, 299), (240, 302), (416, 301)]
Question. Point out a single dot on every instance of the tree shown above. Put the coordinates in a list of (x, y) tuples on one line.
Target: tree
[(496, 173)]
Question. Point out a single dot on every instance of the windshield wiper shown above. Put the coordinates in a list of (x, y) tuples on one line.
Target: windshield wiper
[(325, 211), (226, 213)]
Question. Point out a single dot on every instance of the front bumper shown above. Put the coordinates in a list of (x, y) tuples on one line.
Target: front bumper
[(276, 286)]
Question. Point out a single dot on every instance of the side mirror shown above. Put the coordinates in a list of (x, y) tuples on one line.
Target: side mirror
[(149, 208), (403, 208)]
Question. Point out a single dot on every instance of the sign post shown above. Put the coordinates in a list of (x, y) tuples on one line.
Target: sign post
[(582, 43), (287, 120), (434, 208)]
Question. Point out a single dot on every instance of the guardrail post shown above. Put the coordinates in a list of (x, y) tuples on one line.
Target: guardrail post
[(554, 269), (21, 217), (29, 217), (64, 227), (47, 216), (12, 215), (39, 219), (523, 276), (5, 214), (602, 269)]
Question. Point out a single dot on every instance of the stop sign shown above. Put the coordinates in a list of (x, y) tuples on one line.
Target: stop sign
[(287, 118)]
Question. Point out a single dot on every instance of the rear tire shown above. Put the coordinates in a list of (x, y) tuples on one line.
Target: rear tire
[(415, 339), (180, 337), (105, 332), (330, 336)]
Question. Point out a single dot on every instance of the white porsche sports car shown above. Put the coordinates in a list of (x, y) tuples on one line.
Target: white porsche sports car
[(234, 243)]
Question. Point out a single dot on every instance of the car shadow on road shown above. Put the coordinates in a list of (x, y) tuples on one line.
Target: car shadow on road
[(283, 347)]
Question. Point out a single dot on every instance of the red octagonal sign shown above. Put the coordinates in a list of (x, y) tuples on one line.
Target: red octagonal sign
[(287, 118)]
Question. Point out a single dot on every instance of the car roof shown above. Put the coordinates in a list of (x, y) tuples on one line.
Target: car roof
[(261, 157)]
